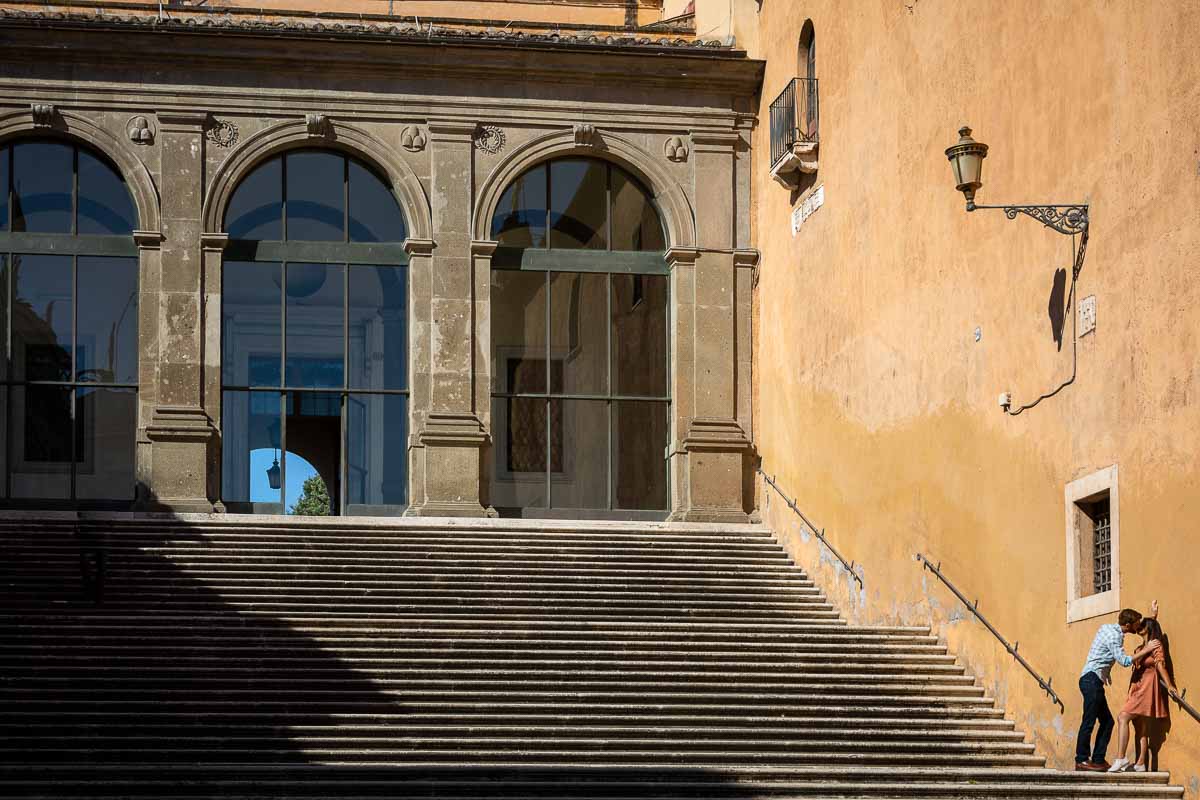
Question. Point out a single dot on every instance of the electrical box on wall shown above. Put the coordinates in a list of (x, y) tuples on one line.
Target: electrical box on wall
[(1087, 315)]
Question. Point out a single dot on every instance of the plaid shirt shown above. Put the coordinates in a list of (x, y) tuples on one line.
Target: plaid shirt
[(1107, 647)]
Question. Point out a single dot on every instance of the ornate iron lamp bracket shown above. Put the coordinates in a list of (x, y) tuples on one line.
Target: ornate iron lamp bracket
[(1066, 219)]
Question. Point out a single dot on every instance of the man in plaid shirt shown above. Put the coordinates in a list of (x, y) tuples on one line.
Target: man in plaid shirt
[(1107, 648)]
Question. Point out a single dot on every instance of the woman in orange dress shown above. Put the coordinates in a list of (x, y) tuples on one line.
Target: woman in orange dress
[(1147, 701)]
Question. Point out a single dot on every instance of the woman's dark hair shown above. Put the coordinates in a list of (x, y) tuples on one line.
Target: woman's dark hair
[(1152, 631)]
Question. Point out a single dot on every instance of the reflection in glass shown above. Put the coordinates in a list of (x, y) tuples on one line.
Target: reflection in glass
[(106, 332), (640, 432), (519, 330), (41, 457), (520, 450), (107, 421), (639, 335), (316, 199), (520, 218), (4, 441), (378, 320), (43, 180), (635, 222), (252, 323), (256, 209), (4, 158), (314, 326), (41, 324), (251, 431), (377, 449), (374, 213), (105, 206), (579, 330), (581, 477), (5, 277), (313, 446), (578, 204)]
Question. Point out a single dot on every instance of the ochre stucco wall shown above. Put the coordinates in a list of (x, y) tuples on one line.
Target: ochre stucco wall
[(877, 408)]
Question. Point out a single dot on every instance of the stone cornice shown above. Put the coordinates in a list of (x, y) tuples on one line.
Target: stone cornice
[(483, 248), (681, 255), (148, 240), (350, 50), (419, 247), (213, 241)]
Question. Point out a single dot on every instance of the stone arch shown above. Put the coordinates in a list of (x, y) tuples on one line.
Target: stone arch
[(668, 195), (74, 126), (292, 135)]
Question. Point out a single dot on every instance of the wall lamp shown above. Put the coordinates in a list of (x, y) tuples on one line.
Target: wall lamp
[(966, 159)]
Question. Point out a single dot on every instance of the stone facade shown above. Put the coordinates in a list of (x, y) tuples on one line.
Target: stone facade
[(205, 108)]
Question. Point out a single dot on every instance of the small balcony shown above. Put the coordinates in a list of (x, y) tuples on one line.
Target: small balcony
[(794, 136)]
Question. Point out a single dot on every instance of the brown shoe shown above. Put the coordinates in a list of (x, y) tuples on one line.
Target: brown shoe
[(1088, 766)]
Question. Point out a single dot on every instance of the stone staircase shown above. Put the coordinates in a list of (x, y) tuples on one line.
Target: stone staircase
[(273, 657)]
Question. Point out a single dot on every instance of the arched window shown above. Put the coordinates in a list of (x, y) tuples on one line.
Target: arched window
[(69, 324), (314, 339), (581, 397), (807, 55), (807, 70)]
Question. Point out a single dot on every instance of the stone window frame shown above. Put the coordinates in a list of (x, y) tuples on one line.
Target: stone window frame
[(1082, 606)]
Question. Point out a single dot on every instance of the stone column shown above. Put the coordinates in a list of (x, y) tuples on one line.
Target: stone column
[(448, 431), (711, 447), (180, 432)]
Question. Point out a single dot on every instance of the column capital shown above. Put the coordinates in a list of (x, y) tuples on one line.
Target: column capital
[(714, 141), (483, 247), (452, 130), (746, 257), (213, 242), (148, 240), (419, 247), (681, 255), (715, 434)]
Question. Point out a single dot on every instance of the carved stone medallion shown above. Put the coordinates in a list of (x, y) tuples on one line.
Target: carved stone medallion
[(675, 149), (490, 139), (222, 133), (139, 130), (412, 139)]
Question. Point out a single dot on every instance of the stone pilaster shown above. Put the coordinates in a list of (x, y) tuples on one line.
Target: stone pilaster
[(449, 435), (180, 431), (710, 445)]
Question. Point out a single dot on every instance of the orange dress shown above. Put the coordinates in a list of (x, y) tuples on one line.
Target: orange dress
[(1146, 697)]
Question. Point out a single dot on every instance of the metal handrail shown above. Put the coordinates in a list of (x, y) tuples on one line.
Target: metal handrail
[(1184, 706), (1011, 648), (818, 532)]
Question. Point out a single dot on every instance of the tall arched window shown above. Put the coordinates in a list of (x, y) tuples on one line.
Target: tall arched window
[(581, 395), (314, 340), (69, 325), (807, 71)]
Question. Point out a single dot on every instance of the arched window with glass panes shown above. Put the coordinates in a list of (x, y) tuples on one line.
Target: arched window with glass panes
[(69, 322), (314, 347), (580, 378)]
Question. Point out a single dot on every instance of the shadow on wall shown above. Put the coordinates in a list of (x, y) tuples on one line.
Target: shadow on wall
[(1057, 308), (128, 672)]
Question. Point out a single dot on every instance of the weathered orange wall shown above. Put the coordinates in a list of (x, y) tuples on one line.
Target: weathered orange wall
[(875, 405)]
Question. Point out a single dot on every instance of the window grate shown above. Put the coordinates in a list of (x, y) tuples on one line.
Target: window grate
[(1101, 548)]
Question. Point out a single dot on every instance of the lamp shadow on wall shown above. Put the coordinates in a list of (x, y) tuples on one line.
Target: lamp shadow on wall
[(1058, 307)]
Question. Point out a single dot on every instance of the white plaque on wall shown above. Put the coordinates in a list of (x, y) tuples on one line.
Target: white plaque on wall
[(806, 209)]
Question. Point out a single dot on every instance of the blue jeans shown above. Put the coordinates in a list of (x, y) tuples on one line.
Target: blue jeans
[(1095, 709)]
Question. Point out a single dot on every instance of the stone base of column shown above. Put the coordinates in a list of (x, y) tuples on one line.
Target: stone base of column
[(712, 471), (446, 458), (180, 437)]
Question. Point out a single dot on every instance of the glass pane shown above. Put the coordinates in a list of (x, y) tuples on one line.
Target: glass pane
[(4, 156), (579, 454), (107, 420), (43, 179), (42, 311), (374, 213), (639, 335), (519, 331), (313, 461), (519, 444), (378, 322), (315, 316), (106, 338), (377, 449), (639, 439), (316, 197), (105, 206), (578, 200), (4, 440), (520, 218), (41, 453), (579, 330), (256, 209), (251, 323), (5, 277), (635, 222), (250, 440)]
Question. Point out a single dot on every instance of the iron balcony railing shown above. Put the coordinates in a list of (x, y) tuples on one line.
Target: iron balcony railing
[(1011, 648), (794, 116)]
